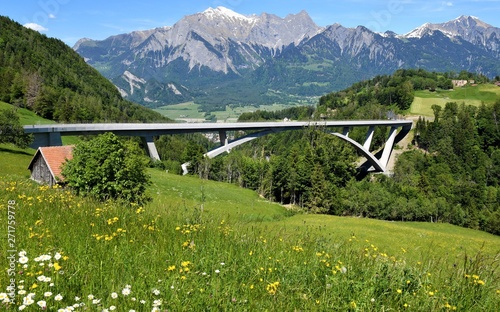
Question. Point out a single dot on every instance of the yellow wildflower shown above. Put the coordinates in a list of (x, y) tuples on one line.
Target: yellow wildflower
[(272, 288)]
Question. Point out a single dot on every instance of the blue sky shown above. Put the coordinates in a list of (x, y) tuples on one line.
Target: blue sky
[(70, 20)]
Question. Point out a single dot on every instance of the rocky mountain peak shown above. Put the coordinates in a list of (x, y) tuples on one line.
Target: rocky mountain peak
[(464, 26), (468, 21), (469, 28)]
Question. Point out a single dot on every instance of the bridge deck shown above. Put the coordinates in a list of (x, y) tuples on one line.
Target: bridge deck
[(167, 128)]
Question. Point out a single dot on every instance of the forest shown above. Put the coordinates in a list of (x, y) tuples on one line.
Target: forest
[(46, 76)]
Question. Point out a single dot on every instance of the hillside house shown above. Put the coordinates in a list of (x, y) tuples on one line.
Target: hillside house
[(46, 165), (459, 83)]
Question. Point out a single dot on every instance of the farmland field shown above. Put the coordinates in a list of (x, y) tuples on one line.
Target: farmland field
[(188, 112), (470, 95)]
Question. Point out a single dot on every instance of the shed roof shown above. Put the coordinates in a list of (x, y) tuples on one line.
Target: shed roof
[(54, 157)]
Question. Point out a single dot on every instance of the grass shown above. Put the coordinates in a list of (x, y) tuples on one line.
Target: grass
[(15, 161), (202, 245), (470, 95), (27, 117)]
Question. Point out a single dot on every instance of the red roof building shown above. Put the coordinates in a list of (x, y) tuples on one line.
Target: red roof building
[(46, 165)]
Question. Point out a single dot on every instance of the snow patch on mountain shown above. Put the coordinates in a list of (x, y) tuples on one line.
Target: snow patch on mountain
[(223, 12)]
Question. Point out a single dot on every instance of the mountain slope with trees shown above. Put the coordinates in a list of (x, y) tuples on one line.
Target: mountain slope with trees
[(46, 76)]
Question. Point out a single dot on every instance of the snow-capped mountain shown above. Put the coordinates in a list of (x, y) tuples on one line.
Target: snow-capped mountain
[(469, 28), (221, 57)]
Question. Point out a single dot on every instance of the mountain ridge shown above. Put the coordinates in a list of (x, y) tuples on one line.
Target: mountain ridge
[(221, 48)]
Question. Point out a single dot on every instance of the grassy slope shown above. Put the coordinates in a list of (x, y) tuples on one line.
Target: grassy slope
[(27, 117), (245, 206), (252, 243), (470, 95), (233, 203)]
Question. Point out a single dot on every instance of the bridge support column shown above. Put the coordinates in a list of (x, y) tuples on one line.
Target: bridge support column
[(150, 144), (384, 160), (369, 138), (46, 139), (346, 131), (223, 138)]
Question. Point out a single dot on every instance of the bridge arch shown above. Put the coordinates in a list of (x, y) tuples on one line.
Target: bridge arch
[(378, 164)]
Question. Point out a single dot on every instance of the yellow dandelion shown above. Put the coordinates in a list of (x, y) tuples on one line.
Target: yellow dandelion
[(399, 291), (272, 288)]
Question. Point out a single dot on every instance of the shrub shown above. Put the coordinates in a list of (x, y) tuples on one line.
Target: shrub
[(107, 168)]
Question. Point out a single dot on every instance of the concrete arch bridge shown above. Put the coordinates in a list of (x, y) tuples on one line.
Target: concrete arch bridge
[(50, 135)]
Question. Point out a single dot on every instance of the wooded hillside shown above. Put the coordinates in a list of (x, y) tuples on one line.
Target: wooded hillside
[(46, 76)]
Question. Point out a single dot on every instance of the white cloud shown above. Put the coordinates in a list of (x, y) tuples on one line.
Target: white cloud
[(52, 16), (35, 26), (448, 3)]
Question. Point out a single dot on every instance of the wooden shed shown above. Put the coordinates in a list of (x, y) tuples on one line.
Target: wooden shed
[(46, 165)]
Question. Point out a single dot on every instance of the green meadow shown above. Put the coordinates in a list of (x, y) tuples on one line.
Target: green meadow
[(201, 245), (469, 95), (27, 117)]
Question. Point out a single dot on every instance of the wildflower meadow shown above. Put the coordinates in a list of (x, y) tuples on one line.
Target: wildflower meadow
[(199, 252)]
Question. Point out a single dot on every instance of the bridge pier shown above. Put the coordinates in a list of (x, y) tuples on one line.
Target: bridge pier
[(389, 144), (46, 139), (346, 131), (223, 138), (150, 144), (369, 138)]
